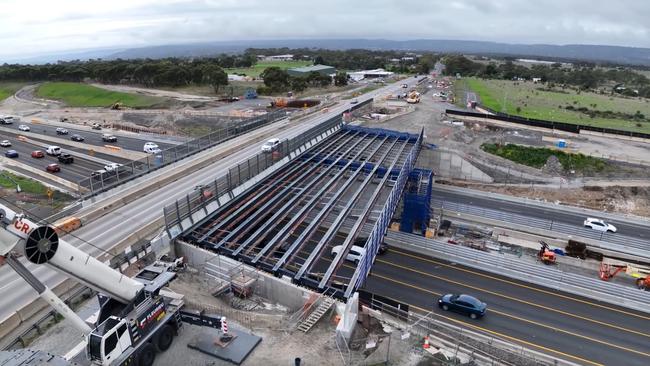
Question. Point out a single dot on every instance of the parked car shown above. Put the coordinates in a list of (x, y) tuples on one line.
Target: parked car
[(405, 86), (61, 131), (77, 138), (463, 304), (107, 137), (112, 167), (151, 148), (5, 143), (11, 153), (96, 126), (599, 225), (271, 145), (66, 159), (38, 154), (53, 168), (354, 255), (23, 128), (53, 150)]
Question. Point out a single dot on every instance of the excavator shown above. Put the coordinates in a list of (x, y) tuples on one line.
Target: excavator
[(138, 317), (413, 97), (546, 255), (610, 268)]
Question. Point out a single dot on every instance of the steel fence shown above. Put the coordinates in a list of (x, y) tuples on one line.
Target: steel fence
[(129, 171), (238, 174), (377, 234), (545, 276), (612, 241)]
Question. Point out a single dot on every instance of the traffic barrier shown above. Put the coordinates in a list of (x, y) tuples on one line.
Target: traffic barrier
[(22, 138), (115, 148), (67, 225), (426, 342)]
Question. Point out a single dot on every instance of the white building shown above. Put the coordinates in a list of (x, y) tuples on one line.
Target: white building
[(279, 58), (370, 74)]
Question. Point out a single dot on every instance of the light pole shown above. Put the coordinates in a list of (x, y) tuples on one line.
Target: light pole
[(18, 190)]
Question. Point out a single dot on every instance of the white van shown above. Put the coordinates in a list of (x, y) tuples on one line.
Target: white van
[(53, 150), (151, 148)]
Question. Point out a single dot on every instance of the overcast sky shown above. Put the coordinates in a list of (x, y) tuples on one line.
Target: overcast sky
[(31, 27)]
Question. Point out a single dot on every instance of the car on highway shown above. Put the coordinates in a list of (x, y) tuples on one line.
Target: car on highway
[(404, 86), (151, 148), (271, 145), (66, 159), (354, 102), (112, 167), (107, 137), (37, 154), (4, 121), (11, 153), (53, 150), (5, 143), (77, 138), (97, 173), (599, 225), (463, 304), (23, 128), (354, 255), (7, 120), (61, 131), (53, 168), (96, 126)]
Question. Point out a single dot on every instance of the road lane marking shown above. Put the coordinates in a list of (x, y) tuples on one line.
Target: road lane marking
[(516, 299), (515, 339), (521, 285)]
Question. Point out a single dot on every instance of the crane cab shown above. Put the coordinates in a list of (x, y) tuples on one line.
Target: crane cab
[(110, 341)]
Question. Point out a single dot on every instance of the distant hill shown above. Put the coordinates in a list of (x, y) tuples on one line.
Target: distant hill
[(610, 54), (594, 53)]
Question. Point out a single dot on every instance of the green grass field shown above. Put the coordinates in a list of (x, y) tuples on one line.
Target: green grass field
[(536, 157), (81, 95), (259, 67), (506, 96), (7, 89)]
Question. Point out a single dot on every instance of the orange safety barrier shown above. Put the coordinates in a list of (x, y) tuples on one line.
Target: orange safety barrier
[(67, 225), (426, 343), (116, 148), (22, 138), (37, 121)]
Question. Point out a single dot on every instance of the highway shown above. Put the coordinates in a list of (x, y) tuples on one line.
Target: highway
[(564, 325), (126, 220), (569, 218), (92, 137)]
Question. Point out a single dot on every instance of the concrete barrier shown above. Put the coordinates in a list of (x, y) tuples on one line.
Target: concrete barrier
[(9, 324)]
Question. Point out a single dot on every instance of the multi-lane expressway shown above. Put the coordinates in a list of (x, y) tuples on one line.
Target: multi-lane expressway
[(105, 232)]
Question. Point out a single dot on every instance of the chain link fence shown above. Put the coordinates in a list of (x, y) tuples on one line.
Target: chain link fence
[(100, 182)]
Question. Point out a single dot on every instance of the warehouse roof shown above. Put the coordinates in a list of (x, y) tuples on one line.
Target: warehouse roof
[(312, 68)]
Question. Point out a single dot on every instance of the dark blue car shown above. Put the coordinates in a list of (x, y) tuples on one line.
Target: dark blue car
[(11, 154), (463, 304)]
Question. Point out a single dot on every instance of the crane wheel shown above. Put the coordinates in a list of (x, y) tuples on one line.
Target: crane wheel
[(147, 355), (164, 338), (640, 283)]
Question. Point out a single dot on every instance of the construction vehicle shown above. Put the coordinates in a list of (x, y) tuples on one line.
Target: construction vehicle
[(413, 97), (611, 267), (137, 316), (546, 255)]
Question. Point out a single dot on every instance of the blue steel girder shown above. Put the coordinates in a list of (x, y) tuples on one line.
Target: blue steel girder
[(218, 225), (356, 228), (378, 231), (255, 237), (281, 236), (316, 252), (300, 241)]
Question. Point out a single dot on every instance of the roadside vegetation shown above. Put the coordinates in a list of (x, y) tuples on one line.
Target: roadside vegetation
[(8, 89), (568, 105), (537, 157), (82, 95), (29, 186)]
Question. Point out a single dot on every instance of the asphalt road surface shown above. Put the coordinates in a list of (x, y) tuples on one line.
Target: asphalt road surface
[(92, 137), (107, 231), (564, 325), (624, 228)]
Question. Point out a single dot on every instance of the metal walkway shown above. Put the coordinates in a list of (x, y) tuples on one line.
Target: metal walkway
[(340, 193)]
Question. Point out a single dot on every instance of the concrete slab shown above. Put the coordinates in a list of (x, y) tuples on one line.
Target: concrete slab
[(234, 351)]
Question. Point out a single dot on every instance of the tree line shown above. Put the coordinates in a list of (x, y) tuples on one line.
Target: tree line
[(582, 75)]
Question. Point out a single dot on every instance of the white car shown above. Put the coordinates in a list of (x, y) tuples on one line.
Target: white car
[(354, 255), (23, 128), (599, 225), (5, 143), (151, 148), (112, 167), (271, 145)]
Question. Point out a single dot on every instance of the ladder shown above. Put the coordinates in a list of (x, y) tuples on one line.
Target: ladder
[(313, 318)]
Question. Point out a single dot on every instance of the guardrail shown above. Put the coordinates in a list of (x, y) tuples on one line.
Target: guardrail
[(381, 225), (105, 181), (202, 196), (544, 276), (624, 244)]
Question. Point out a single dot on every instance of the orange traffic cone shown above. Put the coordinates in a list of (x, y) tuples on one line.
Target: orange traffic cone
[(426, 342)]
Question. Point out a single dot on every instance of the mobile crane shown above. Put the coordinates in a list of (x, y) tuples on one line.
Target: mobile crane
[(137, 318)]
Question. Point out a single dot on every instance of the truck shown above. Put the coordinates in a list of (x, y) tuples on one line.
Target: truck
[(137, 316)]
